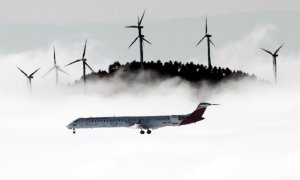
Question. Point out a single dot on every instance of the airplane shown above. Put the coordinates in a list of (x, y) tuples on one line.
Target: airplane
[(140, 122)]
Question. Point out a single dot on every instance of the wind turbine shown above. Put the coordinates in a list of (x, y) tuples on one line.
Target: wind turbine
[(56, 67), (29, 77), (84, 63), (274, 55), (207, 36), (141, 37)]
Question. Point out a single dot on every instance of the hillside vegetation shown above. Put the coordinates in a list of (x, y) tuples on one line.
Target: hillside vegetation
[(190, 72)]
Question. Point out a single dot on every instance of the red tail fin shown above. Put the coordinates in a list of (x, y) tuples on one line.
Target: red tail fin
[(196, 115)]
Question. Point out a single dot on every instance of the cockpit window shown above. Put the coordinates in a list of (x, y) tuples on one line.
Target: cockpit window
[(77, 120)]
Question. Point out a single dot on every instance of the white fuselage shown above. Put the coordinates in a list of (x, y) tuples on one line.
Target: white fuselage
[(140, 122), (143, 122)]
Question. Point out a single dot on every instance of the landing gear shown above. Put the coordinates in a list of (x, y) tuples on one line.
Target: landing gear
[(143, 132), (74, 131)]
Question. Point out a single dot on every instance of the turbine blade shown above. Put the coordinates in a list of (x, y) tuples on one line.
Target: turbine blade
[(74, 62), (146, 41), (131, 26), (48, 72), (22, 71), (278, 49), (89, 67), (212, 43), (200, 40), (267, 51), (133, 42), (140, 22), (62, 71), (206, 26), (83, 55), (54, 56), (34, 72)]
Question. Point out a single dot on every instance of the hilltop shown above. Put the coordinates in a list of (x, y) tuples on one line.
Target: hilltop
[(190, 72)]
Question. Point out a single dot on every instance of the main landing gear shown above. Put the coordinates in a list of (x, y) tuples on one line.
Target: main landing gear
[(74, 131), (143, 132)]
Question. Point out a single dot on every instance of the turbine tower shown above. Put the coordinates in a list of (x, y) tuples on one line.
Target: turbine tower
[(274, 55), (29, 77), (207, 36), (84, 63), (57, 69), (141, 37)]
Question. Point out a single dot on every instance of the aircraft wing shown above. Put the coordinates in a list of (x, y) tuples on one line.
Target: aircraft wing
[(139, 125), (142, 125)]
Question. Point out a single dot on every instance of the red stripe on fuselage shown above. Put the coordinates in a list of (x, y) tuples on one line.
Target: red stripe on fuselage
[(194, 117)]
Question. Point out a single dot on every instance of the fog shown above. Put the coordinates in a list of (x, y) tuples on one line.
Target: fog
[(253, 134)]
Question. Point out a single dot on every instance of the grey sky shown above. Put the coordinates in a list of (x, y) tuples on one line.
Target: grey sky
[(123, 11), (173, 39)]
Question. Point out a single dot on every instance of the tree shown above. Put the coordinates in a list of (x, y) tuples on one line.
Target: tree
[(114, 67)]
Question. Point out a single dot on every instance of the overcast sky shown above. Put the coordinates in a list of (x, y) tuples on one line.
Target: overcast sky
[(38, 11)]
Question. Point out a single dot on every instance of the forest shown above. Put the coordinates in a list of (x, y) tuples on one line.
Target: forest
[(190, 72)]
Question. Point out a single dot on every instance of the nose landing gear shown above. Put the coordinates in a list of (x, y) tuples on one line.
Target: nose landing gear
[(74, 131)]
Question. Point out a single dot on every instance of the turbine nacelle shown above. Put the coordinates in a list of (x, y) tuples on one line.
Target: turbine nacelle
[(83, 60), (207, 36), (140, 36), (30, 76), (275, 53), (55, 67)]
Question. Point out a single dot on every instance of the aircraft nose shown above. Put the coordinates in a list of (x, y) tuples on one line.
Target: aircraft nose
[(69, 126)]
